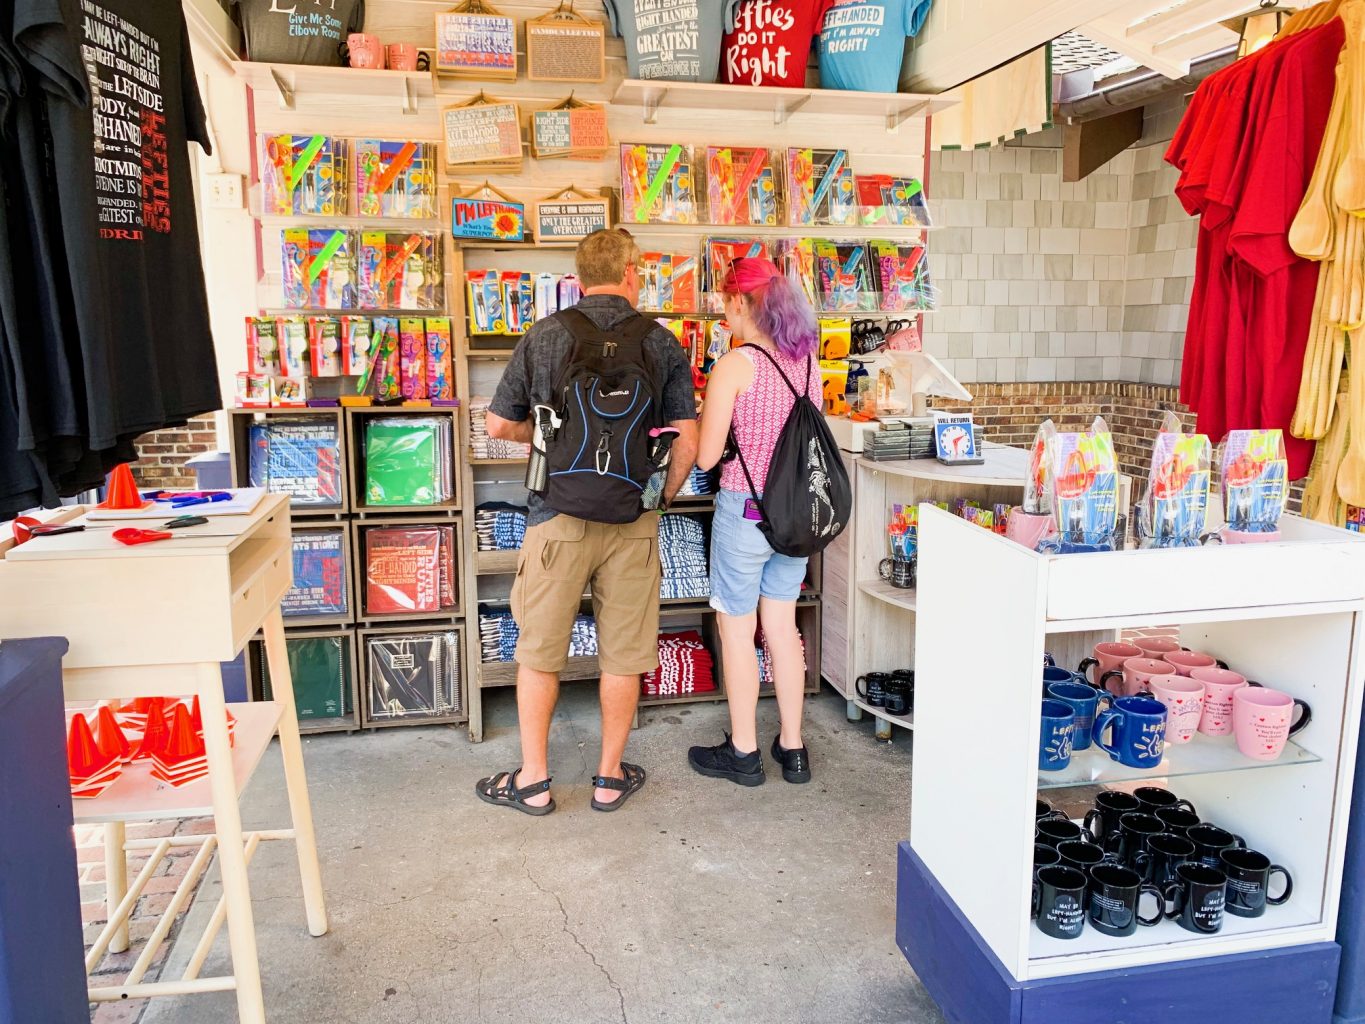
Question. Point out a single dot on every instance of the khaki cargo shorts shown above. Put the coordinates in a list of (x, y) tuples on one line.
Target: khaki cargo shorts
[(559, 560)]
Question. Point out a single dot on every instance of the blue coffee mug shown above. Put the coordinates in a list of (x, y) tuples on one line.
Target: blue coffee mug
[(1083, 699), (1054, 741), (1138, 731), (1056, 674)]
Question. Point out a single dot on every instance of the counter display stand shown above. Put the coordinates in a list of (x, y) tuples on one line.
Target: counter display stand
[(1290, 614), (155, 620)]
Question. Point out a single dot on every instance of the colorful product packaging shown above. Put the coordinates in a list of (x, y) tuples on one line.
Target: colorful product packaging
[(440, 371), (395, 179), (836, 337), (483, 295), (719, 254), (1080, 485), (262, 346), (1174, 507), (400, 270), (886, 199), (356, 346), (288, 392), (518, 301), (902, 276), (253, 390), (304, 175), (796, 258), (741, 186), (834, 386), (412, 358), (844, 276), (547, 295), (668, 283), (383, 377), (1255, 477), (658, 184), (820, 187), (294, 347), (570, 291), (324, 346)]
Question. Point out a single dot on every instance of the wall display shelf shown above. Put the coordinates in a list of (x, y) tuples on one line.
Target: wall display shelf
[(240, 422), (836, 232), (257, 672), (315, 529), (402, 89), (356, 420), (1290, 614), (367, 717), (364, 614)]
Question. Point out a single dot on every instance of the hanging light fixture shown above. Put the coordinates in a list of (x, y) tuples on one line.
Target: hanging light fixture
[(1259, 27)]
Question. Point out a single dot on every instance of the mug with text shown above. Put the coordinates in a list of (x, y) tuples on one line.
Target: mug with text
[(1263, 719), (1219, 686), (365, 51), (1137, 730), (1184, 700)]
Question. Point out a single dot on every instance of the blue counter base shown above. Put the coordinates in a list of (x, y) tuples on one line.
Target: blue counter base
[(971, 986)]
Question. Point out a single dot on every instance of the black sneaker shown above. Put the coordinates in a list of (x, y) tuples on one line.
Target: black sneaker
[(795, 763), (723, 761)]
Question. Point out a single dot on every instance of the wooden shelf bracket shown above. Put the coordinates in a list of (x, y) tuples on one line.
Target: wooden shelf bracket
[(286, 91), (783, 111)]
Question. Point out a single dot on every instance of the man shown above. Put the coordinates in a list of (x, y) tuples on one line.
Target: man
[(613, 545)]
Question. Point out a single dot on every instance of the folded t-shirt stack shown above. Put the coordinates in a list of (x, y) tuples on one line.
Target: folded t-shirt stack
[(682, 555), (481, 446), (500, 526), (685, 666), (498, 635)]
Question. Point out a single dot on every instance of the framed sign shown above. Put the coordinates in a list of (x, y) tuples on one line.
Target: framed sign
[(565, 47), (570, 215), (483, 134), (487, 213), (954, 439), (476, 41), (572, 129)]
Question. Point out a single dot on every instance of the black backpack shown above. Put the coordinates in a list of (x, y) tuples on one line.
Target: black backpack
[(611, 397), (808, 499)]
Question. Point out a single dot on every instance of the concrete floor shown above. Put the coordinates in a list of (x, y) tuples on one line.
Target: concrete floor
[(701, 901)]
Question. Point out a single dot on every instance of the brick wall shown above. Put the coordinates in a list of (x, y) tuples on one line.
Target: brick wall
[(162, 453)]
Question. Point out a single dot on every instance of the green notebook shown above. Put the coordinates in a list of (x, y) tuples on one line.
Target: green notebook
[(402, 464), (322, 677)]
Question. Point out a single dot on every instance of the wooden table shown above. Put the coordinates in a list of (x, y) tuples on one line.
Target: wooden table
[(156, 620)]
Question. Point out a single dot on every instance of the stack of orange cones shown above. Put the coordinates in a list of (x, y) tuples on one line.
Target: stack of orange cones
[(182, 758), (197, 720), (154, 733), (134, 712), (123, 494), (109, 735), (92, 771)]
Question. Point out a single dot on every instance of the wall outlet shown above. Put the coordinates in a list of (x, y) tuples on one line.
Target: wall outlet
[(223, 191)]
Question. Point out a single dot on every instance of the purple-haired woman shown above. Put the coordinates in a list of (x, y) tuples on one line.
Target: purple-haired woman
[(750, 394)]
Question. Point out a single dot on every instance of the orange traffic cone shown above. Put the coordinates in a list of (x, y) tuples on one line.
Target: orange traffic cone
[(123, 494), (181, 744), (155, 735), (84, 759), (197, 716), (109, 737)]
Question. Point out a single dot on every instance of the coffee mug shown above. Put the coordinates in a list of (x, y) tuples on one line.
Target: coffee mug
[(1083, 699), (1110, 805), (1177, 819), (1135, 828), (1044, 856), (1049, 661), (1249, 874), (1210, 841), (1156, 646), (1263, 719), (1078, 854), (1055, 831), (1198, 895), (1160, 855), (899, 572), (1136, 676), (1219, 686), (403, 56), (1057, 674), (1108, 657), (875, 694), (1113, 900), (1184, 700), (1058, 901), (1138, 729), (1054, 740), (899, 693), (1043, 809), (1154, 798), (1029, 528), (1186, 662), (365, 51)]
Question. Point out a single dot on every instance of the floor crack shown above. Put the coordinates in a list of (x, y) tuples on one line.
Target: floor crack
[(568, 930)]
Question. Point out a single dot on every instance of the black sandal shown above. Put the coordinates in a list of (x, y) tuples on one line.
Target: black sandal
[(501, 789), (633, 782)]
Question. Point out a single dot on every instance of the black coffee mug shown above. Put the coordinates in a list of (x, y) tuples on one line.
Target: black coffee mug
[(1161, 855), (1209, 843), (1078, 854), (875, 694), (1044, 857), (1043, 809), (1131, 838), (1051, 831), (1154, 798), (1059, 902), (899, 572), (900, 692), (1177, 819), (1112, 903), (1198, 896), (1103, 819), (1249, 874)]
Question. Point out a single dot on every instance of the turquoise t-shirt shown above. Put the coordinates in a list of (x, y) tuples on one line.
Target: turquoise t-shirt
[(862, 42)]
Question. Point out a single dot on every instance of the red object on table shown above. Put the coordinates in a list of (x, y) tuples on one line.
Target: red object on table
[(154, 736), (84, 759), (123, 492), (109, 735), (131, 535)]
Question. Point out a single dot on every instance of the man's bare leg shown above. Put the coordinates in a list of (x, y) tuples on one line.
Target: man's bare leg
[(619, 696), (537, 694)]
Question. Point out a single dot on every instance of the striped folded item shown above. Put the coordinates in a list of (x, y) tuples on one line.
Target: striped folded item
[(685, 667)]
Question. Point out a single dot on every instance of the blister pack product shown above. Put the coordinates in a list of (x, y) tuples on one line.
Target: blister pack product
[(1174, 505), (382, 379), (395, 179), (547, 294), (1255, 480), (440, 371), (294, 348), (658, 184), (518, 301), (741, 186), (483, 302), (318, 267), (324, 346), (902, 276), (356, 344), (412, 357), (886, 199), (1080, 478), (718, 255), (796, 258), (844, 277), (820, 187), (304, 175), (668, 283), (400, 270), (570, 291), (262, 346)]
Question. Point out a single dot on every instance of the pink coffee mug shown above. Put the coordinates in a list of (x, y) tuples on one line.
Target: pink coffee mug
[(1263, 719), (365, 51), (1137, 675), (1231, 536), (1029, 528), (1108, 657), (1186, 662), (1156, 646), (402, 57), (1184, 700), (1220, 685)]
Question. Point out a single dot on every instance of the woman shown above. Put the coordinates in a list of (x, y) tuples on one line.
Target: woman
[(751, 392)]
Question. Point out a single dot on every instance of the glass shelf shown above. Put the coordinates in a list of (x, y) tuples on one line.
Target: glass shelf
[(1203, 755)]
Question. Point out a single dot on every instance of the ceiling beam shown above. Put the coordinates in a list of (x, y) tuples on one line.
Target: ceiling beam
[(1110, 32), (1188, 17)]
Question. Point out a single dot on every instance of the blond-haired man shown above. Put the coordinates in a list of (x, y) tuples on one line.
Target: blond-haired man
[(609, 375)]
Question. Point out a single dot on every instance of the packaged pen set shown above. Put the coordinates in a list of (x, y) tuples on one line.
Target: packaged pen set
[(1255, 480), (411, 360), (658, 184), (1078, 476), (508, 302), (340, 269), (741, 186), (1174, 506), (327, 176)]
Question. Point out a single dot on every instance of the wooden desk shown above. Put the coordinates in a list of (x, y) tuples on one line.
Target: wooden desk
[(156, 620)]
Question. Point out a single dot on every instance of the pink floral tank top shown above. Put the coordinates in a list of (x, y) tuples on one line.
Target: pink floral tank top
[(761, 410)]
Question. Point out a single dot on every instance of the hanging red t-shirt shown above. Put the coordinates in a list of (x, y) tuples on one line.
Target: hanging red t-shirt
[(769, 42)]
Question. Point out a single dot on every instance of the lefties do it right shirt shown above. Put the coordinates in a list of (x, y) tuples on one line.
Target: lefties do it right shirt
[(862, 42), (767, 42)]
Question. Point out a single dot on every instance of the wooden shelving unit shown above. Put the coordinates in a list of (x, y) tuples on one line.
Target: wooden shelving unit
[(256, 678)]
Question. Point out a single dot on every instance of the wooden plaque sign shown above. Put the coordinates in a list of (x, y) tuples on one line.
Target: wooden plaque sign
[(483, 134), (476, 41), (570, 215), (572, 129), (566, 47), (486, 213)]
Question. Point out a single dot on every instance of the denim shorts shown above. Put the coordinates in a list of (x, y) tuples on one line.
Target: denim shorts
[(743, 566)]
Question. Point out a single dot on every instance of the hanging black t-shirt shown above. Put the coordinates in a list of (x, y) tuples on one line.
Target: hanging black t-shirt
[(299, 31), (126, 204)]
